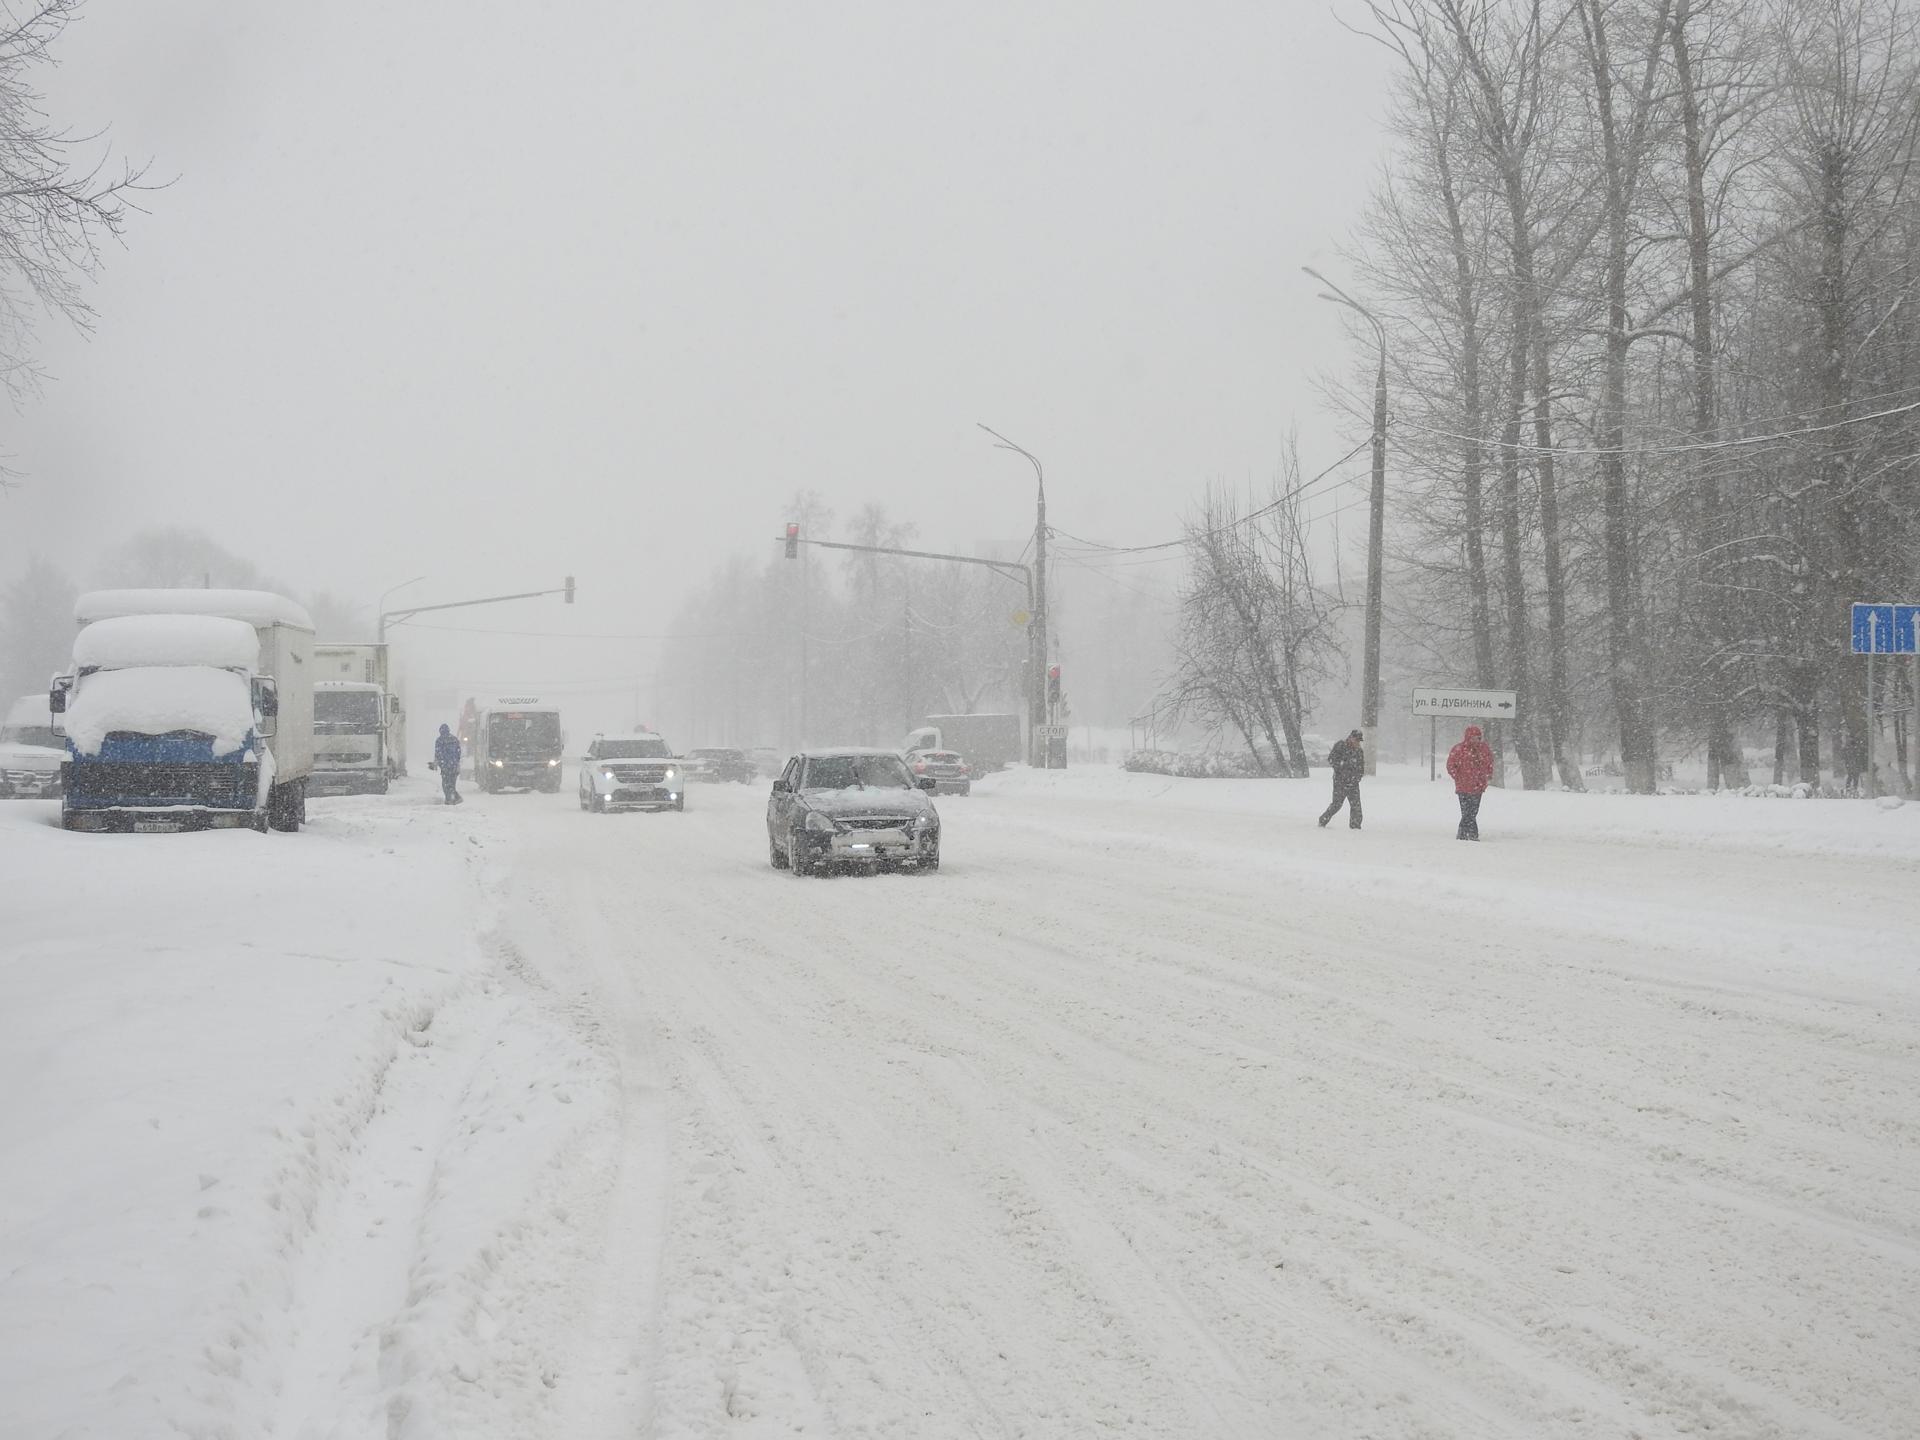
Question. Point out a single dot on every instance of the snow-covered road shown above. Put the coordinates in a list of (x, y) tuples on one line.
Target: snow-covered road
[(1158, 1112)]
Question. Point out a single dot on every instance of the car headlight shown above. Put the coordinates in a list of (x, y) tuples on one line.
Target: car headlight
[(819, 823), (923, 822), (672, 773), (606, 774), (553, 762), (499, 764)]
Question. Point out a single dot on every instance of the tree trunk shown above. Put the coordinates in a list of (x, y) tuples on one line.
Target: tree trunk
[(1629, 664), (1726, 766)]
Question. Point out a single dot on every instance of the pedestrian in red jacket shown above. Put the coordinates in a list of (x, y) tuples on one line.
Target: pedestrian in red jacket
[(1470, 763)]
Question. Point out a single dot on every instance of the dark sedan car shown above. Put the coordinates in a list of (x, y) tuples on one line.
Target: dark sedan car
[(719, 766), (851, 808)]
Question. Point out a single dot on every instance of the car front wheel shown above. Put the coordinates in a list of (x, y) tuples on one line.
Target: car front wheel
[(797, 860), (776, 857)]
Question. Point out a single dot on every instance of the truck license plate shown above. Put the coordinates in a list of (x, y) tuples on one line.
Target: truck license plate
[(156, 827)]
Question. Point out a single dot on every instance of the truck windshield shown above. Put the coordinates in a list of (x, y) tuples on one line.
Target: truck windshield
[(652, 748), (342, 712), (32, 735), (845, 772), (524, 732)]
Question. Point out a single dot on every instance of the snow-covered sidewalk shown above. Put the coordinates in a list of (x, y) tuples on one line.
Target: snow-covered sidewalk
[(275, 1114)]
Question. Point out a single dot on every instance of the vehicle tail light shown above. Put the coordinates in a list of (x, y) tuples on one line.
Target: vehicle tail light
[(919, 767)]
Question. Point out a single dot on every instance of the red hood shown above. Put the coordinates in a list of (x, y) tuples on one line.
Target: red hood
[(1473, 732)]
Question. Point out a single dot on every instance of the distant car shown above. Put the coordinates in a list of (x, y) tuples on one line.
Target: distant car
[(949, 769), (860, 808), (30, 753), (720, 766), (631, 772)]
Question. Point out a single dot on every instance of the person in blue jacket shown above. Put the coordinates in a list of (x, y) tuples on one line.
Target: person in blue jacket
[(446, 759)]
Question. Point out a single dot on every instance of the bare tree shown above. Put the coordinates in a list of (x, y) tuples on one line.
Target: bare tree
[(55, 211)]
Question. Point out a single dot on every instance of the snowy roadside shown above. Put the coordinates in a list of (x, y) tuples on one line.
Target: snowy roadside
[(280, 1118)]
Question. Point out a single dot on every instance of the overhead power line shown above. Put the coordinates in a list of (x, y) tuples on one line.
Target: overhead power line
[(1269, 507), (1732, 443)]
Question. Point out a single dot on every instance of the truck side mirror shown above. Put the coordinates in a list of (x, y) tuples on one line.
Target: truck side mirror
[(266, 701), (57, 694)]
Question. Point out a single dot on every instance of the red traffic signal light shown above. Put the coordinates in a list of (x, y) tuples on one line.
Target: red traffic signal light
[(793, 540), (1053, 684)]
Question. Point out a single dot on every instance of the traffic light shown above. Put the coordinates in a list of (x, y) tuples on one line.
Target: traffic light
[(569, 589), (1053, 684), (793, 541)]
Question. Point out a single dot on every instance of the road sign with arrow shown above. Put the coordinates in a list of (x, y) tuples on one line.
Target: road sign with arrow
[(1886, 629), (1467, 704)]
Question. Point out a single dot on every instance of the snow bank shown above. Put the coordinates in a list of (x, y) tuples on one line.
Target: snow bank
[(256, 607), (159, 700), (167, 640), (284, 1149)]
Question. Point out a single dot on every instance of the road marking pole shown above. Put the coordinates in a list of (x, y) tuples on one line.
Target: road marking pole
[(1433, 747)]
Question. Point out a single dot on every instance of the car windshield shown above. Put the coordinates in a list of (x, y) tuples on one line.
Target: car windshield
[(524, 730), (650, 747), (339, 712), (865, 772), (32, 735)]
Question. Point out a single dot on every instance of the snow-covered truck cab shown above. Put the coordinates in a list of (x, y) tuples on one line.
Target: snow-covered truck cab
[(30, 752), (349, 738), (518, 742), (187, 709)]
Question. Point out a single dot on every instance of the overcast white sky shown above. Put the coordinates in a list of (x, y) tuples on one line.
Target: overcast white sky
[(497, 292)]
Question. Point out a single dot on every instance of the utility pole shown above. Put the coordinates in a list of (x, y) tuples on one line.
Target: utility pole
[(1037, 621), (1376, 521)]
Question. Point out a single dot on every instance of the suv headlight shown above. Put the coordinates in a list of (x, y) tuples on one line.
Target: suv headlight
[(820, 824)]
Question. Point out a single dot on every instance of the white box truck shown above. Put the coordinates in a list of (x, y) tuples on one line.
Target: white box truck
[(360, 722), (187, 709)]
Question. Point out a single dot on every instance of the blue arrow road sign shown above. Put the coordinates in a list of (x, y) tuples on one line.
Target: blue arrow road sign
[(1886, 629)]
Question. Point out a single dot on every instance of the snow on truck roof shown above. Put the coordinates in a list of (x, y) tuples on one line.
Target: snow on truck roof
[(127, 641), (255, 607)]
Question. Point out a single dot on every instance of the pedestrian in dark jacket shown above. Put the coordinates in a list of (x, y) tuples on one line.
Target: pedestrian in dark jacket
[(1470, 763), (446, 759), (1349, 760)]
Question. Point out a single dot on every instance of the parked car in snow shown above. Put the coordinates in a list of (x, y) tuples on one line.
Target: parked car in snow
[(631, 772), (854, 808), (948, 768), (30, 753), (716, 766)]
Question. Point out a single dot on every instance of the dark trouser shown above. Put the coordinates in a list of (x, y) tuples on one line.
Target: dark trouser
[(1345, 792), (449, 777), (1469, 818)]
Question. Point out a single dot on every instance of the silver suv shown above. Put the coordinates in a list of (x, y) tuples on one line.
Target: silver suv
[(637, 772)]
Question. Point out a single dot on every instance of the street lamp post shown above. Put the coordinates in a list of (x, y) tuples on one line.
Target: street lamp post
[(1037, 622), (1376, 520), (380, 605)]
